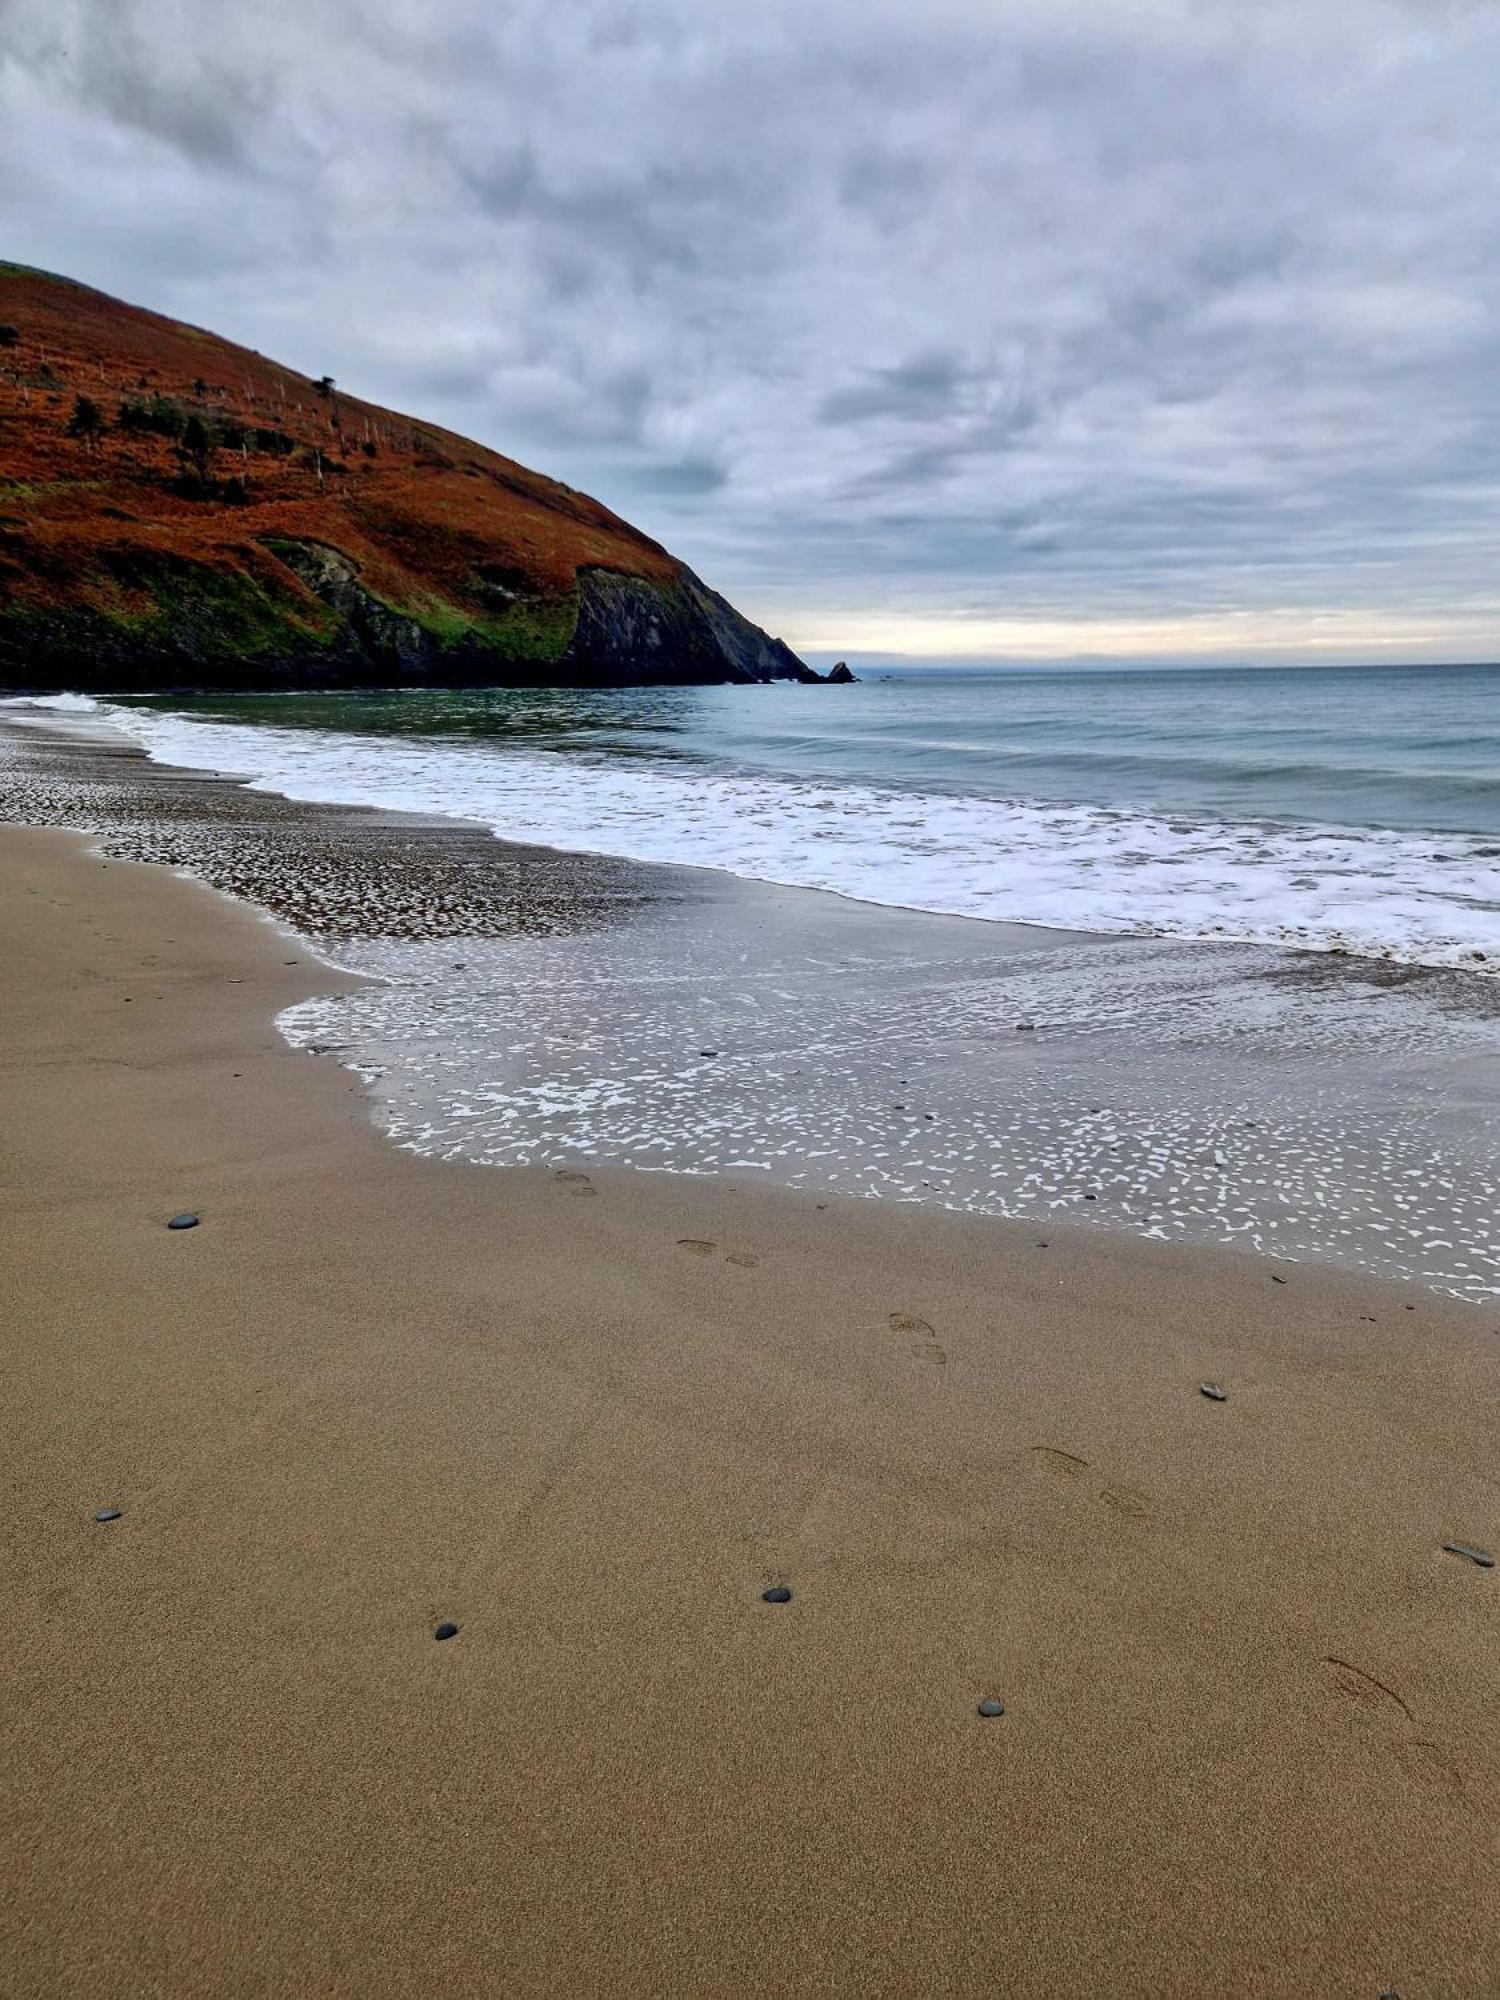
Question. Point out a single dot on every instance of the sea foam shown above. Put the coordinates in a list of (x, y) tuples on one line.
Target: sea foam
[(1422, 898)]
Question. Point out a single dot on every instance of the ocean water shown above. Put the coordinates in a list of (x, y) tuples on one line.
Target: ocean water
[(544, 1007), (1334, 809)]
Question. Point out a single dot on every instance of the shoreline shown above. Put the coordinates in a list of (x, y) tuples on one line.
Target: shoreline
[(1247, 1742), (532, 1006)]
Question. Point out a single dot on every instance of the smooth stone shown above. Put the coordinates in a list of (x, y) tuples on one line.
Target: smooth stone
[(1481, 1556), (108, 1514), (779, 1595), (708, 1052), (1213, 1392), (446, 1631), (991, 1707), (186, 1220), (1277, 1281), (1026, 1027)]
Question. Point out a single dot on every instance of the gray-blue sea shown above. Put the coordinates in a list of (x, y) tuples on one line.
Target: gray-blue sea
[(1322, 1080), (1351, 809)]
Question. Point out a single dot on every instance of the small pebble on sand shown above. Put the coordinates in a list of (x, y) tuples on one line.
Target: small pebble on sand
[(779, 1595), (989, 1706), (108, 1514), (1213, 1392), (447, 1630), (187, 1220), (1466, 1549)]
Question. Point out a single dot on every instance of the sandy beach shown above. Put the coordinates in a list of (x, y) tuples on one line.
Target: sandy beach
[(1247, 1744)]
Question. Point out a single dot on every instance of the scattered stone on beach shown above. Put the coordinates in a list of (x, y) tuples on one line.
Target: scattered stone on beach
[(989, 1706), (709, 1053), (1481, 1556), (1041, 1243), (187, 1220), (778, 1594), (1276, 1280), (108, 1514), (447, 1630), (1213, 1392)]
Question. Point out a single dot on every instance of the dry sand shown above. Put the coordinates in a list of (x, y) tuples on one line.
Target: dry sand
[(1249, 1743)]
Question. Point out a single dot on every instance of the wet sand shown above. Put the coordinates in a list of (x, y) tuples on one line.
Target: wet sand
[(1248, 1744)]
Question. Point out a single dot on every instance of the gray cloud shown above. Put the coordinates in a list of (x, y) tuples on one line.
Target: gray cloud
[(1066, 312)]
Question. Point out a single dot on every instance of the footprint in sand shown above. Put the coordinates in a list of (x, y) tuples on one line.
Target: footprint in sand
[(925, 1345), (1128, 1500), (1355, 1685), (1064, 1463), (1424, 1761), (698, 1246), (576, 1183)]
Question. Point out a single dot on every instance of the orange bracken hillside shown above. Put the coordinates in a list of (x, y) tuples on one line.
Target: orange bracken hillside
[(176, 511)]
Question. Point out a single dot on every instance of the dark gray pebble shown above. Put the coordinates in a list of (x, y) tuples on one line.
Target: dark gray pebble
[(446, 1631), (1213, 1392), (108, 1514), (1026, 1027), (1481, 1556), (779, 1595), (989, 1706), (187, 1220), (1041, 1243), (708, 1052), (1277, 1281)]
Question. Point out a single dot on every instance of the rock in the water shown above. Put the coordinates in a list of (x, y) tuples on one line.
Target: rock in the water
[(840, 676), (989, 1706), (1026, 1027), (1213, 1392), (108, 1514), (187, 1220), (447, 1630), (779, 1595), (1481, 1556)]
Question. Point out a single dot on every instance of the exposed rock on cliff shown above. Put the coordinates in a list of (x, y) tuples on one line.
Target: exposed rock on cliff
[(179, 512)]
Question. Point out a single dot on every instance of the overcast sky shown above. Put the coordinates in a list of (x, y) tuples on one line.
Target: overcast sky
[(951, 326)]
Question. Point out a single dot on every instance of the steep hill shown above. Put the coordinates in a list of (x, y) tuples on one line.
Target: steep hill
[(176, 511)]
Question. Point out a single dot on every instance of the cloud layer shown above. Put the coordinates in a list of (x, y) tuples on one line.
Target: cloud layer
[(969, 328)]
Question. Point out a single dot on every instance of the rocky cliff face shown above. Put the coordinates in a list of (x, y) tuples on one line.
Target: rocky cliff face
[(177, 512)]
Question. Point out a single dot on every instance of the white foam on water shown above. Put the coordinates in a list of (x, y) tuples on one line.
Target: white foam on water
[(1423, 898), (59, 704)]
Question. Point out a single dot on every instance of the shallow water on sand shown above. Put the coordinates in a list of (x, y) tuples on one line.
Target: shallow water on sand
[(1238, 1095)]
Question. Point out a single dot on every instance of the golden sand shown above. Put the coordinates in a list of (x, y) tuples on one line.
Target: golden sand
[(1249, 1739)]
